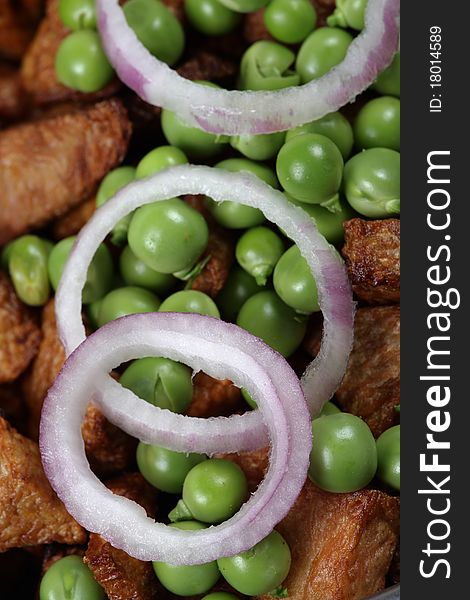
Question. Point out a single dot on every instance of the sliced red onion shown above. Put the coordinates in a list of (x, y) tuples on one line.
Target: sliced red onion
[(321, 378), (234, 112), (221, 350)]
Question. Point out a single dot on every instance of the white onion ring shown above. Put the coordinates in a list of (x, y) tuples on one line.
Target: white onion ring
[(234, 112), (247, 432), (221, 350)]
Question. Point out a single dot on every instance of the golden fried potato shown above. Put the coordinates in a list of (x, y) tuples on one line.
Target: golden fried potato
[(19, 333), (372, 254), (74, 219), (341, 544), (48, 167), (124, 577), (38, 67), (214, 397), (30, 512)]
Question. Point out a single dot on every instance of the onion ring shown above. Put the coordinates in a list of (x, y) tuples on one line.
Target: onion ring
[(222, 350), (234, 112), (323, 375)]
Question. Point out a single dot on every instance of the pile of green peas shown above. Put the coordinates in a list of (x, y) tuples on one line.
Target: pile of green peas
[(331, 168)]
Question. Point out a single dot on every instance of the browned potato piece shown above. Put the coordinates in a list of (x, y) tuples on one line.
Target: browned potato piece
[(44, 369), (372, 254), (17, 21), (371, 386), (124, 577), (13, 100), (74, 220), (341, 544), (38, 68), (220, 254), (208, 66), (30, 512), (254, 464), (109, 449), (19, 333), (48, 167), (121, 576), (214, 397)]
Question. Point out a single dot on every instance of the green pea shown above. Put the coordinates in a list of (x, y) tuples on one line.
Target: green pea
[(329, 224), (388, 457), (187, 580), (259, 570), (372, 182), (78, 14), (157, 28), (114, 181), (244, 6), (344, 456), (268, 317), (334, 126), (158, 159), (348, 13), (81, 63), (5, 254), (126, 301), (321, 51), (165, 469), (69, 578), (378, 124), (238, 216), (168, 236), (214, 490), (235, 165), (388, 82), (248, 399), (294, 283), (27, 265), (194, 142), (328, 409), (258, 147), (220, 596), (93, 311), (290, 21), (257, 251), (161, 382), (266, 66), (211, 16), (136, 272), (190, 301), (100, 272), (237, 289), (310, 168)]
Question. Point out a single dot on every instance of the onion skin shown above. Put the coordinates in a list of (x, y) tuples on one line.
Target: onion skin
[(220, 349), (236, 113), (322, 377)]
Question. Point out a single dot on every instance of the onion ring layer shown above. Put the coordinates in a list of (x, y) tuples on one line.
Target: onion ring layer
[(322, 377), (234, 112), (221, 350)]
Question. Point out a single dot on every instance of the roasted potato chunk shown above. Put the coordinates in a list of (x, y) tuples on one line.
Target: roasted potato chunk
[(372, 254), (30, 512), (124, 577), (38, 68), (48, 167), (341, 544), (19, 333), (371, 385), (214, 397)]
